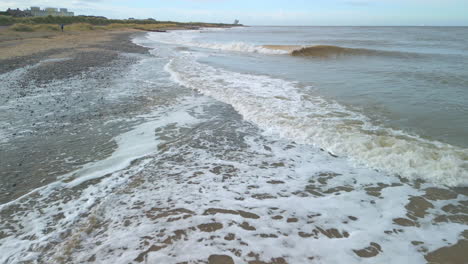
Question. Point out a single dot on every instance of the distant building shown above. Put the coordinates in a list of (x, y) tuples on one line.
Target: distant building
[(50, 11), (18, 13), (236, 22)]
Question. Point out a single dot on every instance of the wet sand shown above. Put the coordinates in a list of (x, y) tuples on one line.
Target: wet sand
[(62, 57)]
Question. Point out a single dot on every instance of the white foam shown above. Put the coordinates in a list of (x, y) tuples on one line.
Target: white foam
[(191, 183), (137, 143), (3, 136), (140, 141), (280, 108), (190, 39)]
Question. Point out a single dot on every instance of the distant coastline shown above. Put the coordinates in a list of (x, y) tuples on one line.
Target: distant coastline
[(8, 20), (23, 36)]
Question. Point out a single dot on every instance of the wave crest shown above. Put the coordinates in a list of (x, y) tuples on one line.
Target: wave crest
[(325, 51), (239, 47), (189, 39)]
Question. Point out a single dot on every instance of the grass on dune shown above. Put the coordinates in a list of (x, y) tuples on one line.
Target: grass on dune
[(34, 28), (79, 23), (88, 27), (95, 21), (9, 20), (80, 27), (139, 26)]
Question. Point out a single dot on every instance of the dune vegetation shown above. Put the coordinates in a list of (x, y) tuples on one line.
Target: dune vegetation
[(77, 23), (87, 27)]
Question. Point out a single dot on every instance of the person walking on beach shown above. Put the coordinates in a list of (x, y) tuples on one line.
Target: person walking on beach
[(62, 26)]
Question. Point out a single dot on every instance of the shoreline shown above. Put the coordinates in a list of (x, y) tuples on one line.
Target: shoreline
[(12, 43), (62, 58), (19, 49)]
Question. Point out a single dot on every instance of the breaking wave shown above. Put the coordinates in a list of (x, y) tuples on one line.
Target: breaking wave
[(188, 39), (239, 47), (324, 51), (279, 107)]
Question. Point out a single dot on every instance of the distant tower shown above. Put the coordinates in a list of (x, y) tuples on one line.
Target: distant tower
[(236, 22)]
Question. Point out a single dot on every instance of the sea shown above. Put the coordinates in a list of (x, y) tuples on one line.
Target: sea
[(243, 145)]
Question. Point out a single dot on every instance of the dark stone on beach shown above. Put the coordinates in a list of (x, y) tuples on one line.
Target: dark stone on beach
[(435, 194), (275, 182), (455, 209), (211, 227), (417, 207), (266, 148), (213, 211), (331, 233), (220, 259), (143, 255), (230, 237), (404, 222), (247, 226), (373, 250), (456, 254), (457, 218)]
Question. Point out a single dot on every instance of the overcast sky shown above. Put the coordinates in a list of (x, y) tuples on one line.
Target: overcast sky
[(271, 12)]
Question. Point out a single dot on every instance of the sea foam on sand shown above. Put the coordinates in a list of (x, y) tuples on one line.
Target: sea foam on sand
[(252, 198)]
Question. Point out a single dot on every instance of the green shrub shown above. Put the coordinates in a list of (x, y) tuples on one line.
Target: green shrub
[(31, 28), (95, 21), (48, 28), (6, 20), (22, 28), (79, 27)]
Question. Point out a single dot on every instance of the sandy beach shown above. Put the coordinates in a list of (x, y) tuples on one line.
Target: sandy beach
[(30, 48)]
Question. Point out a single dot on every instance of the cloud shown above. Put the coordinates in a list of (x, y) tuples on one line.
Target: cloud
[(279, 12)]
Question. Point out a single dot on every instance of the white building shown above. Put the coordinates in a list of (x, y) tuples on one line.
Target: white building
[(50, 11)]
